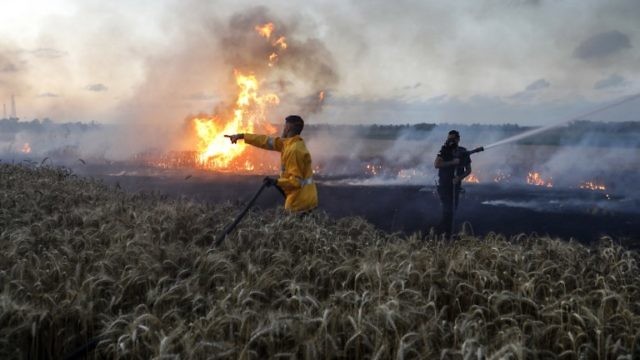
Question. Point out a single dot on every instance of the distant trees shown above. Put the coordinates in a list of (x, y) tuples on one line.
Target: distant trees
[(377, 131)]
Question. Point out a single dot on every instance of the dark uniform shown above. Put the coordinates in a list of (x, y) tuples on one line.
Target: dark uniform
[(445, 184)]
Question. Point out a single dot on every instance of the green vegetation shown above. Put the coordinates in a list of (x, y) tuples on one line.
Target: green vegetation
[(80, 260)]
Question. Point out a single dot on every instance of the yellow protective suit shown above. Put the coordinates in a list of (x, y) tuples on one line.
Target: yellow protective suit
[(295, 171)]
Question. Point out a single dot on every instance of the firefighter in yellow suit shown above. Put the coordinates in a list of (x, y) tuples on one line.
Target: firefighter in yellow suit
[(296, 173)]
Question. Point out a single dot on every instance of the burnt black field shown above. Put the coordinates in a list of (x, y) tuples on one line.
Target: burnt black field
[(583, 215)]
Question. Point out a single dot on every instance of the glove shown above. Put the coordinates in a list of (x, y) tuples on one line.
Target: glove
[(270, 181)]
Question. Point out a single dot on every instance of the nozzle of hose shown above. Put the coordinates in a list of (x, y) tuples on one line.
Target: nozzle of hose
[(476, 150)]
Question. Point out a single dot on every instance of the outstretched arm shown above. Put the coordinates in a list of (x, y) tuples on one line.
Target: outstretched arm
[(261, 141)]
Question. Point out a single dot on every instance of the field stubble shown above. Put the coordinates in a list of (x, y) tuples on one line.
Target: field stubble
[(80, 260)]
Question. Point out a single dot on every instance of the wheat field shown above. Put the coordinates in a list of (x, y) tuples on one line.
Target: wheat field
[(135, 274)]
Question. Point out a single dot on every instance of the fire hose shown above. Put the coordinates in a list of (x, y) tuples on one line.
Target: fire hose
[(476, 150), (227, 230)]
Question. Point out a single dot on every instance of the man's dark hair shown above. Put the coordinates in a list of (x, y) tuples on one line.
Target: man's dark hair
[(296, 121), (454, 132)]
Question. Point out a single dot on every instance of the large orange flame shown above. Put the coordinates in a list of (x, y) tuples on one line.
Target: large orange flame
[(249, 114)]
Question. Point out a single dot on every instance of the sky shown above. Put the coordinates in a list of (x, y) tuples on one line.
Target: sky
[(528, 62)]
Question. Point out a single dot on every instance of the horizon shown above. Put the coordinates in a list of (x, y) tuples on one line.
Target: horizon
[(390, 124)]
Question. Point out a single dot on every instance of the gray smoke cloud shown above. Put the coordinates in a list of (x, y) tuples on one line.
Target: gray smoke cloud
[(299, 73), (96, 87), (602, 45), (489, 49), (193, 75), (9, 68), (378, 62), (12, 74), (538, 85), (613, 81), (531, 90)]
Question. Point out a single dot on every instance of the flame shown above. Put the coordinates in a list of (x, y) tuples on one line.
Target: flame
[(26, 149), (265, 30), (471, 179), (534, 178), (249, 113), (321, 96), (592, 185), (272, 59), (372, 169), (502, 176), (281, 42)]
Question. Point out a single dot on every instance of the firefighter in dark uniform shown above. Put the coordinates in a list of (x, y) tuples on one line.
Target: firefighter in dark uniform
[(454, 164)]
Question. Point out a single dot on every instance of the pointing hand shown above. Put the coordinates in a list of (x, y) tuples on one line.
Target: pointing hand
[(234, 138)]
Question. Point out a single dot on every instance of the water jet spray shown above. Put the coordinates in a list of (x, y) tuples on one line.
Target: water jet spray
[(532, 132)]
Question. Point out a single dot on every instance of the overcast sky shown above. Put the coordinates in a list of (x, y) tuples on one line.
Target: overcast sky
[(517, 61)]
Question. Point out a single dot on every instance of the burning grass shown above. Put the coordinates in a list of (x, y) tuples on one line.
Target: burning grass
[(81, 261)]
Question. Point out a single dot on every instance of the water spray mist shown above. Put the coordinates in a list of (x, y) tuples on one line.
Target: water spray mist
[(532, 132)]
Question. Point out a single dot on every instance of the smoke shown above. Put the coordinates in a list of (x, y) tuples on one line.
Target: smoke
[(12, 74), (300, 72), (37, 138), (170, 50), (208, 50), (613, 81), (612, 162), (390, 154), (602, 45), (573, 156), (188, 70)]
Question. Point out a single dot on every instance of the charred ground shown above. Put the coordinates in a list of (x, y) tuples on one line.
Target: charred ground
[(566, 213)]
